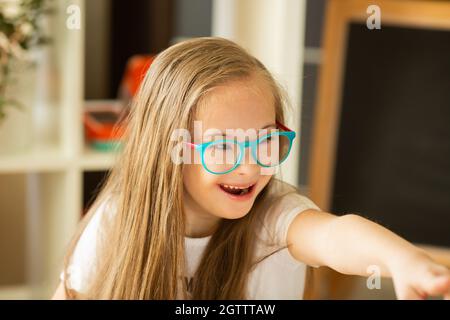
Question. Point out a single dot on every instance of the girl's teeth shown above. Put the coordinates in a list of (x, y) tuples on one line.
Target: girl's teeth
[(235, 190), (233, 187)]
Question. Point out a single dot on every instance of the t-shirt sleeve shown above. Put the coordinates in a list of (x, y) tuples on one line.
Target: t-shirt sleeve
[(83, 262), (283, 213)]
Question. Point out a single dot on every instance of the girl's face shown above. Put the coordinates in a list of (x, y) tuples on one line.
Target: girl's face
[(243, 104)]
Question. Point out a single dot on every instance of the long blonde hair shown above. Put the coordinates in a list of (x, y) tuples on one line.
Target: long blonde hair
[(141, 255)]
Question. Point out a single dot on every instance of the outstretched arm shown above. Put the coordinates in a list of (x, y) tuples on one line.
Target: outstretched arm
[(350, 244)]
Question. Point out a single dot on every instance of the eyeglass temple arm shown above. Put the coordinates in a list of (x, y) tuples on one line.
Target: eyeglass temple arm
[(192, 145), (283, 127)]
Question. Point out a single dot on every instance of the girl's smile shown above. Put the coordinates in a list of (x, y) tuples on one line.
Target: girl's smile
[(242, 192)]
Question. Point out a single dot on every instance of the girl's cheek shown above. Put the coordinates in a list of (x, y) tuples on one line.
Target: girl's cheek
[(196, 158), (264, 180), (203, 178), (192, 174), (268, 172)]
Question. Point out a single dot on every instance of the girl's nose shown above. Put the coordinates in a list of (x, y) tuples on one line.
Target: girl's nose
[(247, 169), (248, 165)]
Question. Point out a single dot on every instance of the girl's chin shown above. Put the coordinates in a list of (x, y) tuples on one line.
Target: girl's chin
[(235, 215), (233, 211)]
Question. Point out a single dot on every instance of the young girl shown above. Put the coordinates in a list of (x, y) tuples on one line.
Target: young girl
[(212, 229)]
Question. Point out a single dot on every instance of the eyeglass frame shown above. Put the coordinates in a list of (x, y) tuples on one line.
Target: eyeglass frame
[(290, 134)]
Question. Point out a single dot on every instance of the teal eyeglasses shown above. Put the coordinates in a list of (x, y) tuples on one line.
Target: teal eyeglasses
[(223, 156)]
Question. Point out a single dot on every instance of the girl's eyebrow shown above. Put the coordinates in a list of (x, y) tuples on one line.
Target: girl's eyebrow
[(216, 133), (269, 125)]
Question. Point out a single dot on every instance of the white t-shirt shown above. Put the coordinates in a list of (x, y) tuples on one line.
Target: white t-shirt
[(278, 276)]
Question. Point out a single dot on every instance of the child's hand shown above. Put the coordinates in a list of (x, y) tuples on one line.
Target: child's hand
[(419, 277)]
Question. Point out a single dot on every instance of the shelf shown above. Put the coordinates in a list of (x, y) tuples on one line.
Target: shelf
[(92, 160), (41, 189), (52, 159), (42, 159)]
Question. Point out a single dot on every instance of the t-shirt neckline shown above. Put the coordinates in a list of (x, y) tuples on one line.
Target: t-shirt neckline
[(203, 241)]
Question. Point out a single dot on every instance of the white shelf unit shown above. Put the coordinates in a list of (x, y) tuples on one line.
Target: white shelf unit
[(41, 189)]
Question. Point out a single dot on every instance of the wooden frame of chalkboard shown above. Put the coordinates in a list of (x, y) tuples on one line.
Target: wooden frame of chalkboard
[(434, 15)]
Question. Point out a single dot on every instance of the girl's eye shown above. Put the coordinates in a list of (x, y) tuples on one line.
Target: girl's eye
[(222, 146), (266, 140)]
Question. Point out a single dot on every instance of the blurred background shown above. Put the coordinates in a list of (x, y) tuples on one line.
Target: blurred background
[(371, 106)]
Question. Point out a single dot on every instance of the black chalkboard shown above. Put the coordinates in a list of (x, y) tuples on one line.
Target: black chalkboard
[(393, 150)]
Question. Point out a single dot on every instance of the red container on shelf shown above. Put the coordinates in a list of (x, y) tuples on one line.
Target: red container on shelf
[(103, 119), (103, 130)]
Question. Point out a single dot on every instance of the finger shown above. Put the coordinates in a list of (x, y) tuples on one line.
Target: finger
[(447, 293), (436, 285), (410, 293)]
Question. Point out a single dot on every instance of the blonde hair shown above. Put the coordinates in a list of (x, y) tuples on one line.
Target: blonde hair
[(141, 255)]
